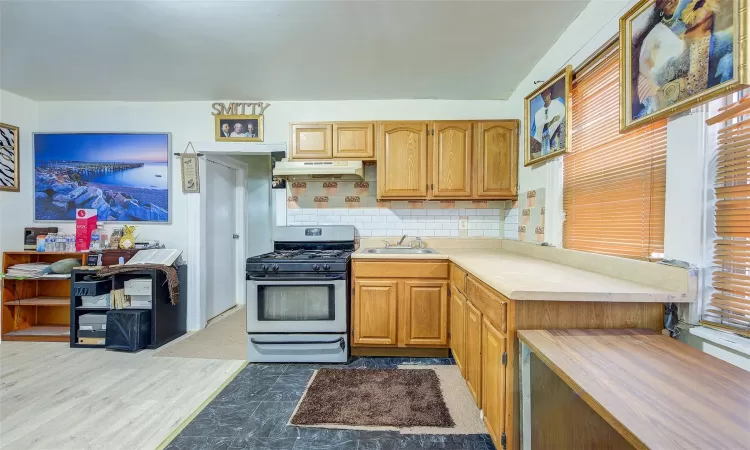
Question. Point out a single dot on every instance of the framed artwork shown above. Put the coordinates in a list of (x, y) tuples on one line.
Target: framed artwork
[(126, 177), (239, 128), (9, 159), (676, 54), (547, 118)]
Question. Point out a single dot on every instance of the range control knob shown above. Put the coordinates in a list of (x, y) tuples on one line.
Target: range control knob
[(326, 267), (275, 267), (264, 268), (316, 267)]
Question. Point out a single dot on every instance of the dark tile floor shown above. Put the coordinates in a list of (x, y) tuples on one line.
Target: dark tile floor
[(253, 410)]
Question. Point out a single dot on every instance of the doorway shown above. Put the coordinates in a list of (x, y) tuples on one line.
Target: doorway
[(221, 237)]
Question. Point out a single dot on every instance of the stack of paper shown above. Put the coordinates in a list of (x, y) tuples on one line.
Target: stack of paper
[(28, 270)]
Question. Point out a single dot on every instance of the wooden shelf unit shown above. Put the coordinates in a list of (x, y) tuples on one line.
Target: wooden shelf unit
[(36, 309)]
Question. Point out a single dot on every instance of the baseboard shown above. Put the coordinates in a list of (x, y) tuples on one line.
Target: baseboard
[(403, 352)]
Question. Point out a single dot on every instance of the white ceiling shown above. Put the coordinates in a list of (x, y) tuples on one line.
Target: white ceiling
[(280, 50)]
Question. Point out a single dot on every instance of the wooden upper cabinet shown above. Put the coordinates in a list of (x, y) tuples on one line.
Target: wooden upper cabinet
[(458, 334), (496, 159), (402, 160), (424, 314), (494, 345), (451, 159), (354, 140), (374, 312), (312, 141), (473, 352)]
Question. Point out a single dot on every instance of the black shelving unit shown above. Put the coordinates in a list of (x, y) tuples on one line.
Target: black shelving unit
[(168, 321)]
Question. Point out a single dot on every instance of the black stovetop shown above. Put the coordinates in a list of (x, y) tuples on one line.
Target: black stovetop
[(289, 258), (303, 255)]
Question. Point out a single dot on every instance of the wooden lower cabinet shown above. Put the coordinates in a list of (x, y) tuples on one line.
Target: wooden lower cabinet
[(406, 306), (457, 335), (374, 312), (494, 357), (424, 313), (473, 354)]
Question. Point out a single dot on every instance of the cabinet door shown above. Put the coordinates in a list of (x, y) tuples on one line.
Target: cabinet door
[(494, 345), (374, 312), (496, 159), (458, 334), (473, 353), (354, 140), (402, 160), (424, 313), (451, 159), (312, 140)]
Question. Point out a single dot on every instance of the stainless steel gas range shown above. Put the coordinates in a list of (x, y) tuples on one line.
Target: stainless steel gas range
[(298, 296)]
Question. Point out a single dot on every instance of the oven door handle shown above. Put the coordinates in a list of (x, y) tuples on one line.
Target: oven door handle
[(340, 341), (314, 278)]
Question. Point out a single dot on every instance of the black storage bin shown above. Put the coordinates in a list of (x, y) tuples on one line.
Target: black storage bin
[(91, 288), (128, 329)]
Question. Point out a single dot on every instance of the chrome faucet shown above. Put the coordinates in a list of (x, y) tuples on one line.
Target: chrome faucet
[(398, 244)]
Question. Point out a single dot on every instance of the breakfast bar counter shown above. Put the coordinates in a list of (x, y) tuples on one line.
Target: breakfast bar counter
[(628, 389)]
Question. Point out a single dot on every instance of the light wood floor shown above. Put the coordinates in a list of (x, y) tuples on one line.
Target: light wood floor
[(55, 397)]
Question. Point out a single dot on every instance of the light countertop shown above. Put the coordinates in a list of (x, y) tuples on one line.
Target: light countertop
[(521, 277)]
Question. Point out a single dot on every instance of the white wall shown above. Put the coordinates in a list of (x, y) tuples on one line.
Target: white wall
[(192, 121), (16, 208)]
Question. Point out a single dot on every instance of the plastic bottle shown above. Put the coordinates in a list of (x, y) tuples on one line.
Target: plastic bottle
[(96, 235), (103, 237), (61, 244), (70, 243), (50, 242)]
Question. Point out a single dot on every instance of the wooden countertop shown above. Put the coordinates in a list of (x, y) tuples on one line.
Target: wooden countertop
[(657, 392), (522, 277)]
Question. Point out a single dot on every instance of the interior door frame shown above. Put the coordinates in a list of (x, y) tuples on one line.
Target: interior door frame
[(196, 221), (240, 225)]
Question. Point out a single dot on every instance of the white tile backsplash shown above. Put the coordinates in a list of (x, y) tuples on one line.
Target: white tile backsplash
[(384, 222)]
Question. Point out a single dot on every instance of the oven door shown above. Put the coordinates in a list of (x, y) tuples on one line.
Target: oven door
[(297, 304)]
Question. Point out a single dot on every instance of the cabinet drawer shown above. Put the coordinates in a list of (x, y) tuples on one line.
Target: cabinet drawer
[(491, 304), (458, 278), (399, 269)]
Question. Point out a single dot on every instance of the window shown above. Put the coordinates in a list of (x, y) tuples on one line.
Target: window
[(729, 306), (613, 184)]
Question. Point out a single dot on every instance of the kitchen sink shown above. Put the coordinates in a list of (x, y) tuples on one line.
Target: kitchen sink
[(401, 251)]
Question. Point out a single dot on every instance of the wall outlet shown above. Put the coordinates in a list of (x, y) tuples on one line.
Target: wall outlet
[(463, 223)]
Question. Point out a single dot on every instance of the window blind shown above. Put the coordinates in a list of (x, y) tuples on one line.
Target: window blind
[(613, 184), (729, 307)]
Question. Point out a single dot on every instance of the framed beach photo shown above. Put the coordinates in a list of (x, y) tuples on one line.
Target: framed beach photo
[(126, 177), (676, 54), (239, 128), (9, 159), (547, 118)]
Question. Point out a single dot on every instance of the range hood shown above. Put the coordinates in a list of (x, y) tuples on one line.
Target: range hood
[(300, 170)]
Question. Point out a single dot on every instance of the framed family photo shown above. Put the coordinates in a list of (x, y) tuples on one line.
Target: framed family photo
[(9, 159), (676, 54), (547, 118), (239, 128)]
